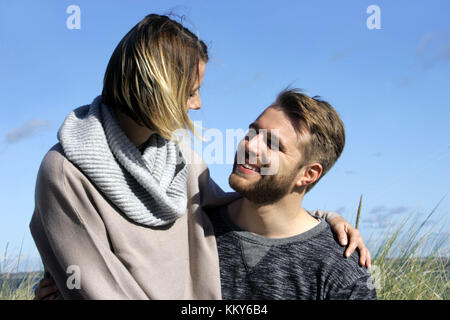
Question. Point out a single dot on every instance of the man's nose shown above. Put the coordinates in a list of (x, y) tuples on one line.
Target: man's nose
[(255, 145)]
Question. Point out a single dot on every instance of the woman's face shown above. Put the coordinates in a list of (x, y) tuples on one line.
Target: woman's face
[(194, 102)]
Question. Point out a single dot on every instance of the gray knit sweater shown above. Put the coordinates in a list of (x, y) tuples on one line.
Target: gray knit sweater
[(307, 266)]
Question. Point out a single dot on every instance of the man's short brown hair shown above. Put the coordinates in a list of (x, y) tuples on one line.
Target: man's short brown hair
[(318, 120)]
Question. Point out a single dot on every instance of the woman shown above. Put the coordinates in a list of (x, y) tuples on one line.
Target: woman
[(119, 212)]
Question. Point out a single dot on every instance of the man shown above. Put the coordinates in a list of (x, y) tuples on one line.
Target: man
[(269, 246)]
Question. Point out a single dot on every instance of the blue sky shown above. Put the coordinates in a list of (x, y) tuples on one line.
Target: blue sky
[(391, 87)]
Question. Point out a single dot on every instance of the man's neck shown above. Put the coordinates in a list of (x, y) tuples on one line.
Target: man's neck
[(282, 219)]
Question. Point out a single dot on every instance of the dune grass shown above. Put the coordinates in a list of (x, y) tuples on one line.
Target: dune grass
[(410, 262), (16, 285)]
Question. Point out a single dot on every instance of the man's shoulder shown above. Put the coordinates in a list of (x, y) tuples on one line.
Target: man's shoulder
[(331, 258)]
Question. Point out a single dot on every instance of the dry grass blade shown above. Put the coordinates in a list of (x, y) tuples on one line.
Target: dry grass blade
[(359, 212)]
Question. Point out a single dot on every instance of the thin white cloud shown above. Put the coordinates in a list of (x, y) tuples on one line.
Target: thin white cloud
[(378, 221), (378, 209), (398, 210), (27, 130), (340, 210), (337, 57), (246, 84), (403, 81), (433, 48), (377, 154), (386, 210)]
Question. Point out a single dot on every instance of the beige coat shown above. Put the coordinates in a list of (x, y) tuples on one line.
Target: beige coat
[(74, 225)]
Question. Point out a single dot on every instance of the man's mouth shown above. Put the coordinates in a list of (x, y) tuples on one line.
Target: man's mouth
[(250, 167)]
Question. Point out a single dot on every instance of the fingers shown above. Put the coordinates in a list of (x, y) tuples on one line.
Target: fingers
[(350, 249), (368, 260), (355, 241), (54, 296), (45, 282), (351, 236), (363, 256), (341, 232), (45, 289), (44, 292)]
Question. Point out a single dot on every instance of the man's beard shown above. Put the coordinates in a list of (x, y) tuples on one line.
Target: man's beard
[(267, 190)]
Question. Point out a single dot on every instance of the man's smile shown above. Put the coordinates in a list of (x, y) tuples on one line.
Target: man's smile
[(247, 169)]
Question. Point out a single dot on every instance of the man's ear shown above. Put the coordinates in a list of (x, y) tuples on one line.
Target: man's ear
[(309, 174)]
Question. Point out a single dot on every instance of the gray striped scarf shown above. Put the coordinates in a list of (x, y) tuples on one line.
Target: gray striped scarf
[(149, 188)]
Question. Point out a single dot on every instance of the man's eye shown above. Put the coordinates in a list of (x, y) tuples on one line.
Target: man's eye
[(273, 144), (251, 133)]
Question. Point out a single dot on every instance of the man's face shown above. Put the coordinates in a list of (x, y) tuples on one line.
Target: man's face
[(271, 146)]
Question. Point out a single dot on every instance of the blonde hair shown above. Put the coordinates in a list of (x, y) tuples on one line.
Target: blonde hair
[(151, 74)]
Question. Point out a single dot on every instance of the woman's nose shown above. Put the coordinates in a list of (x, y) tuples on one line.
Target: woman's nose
[(195, 103)]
